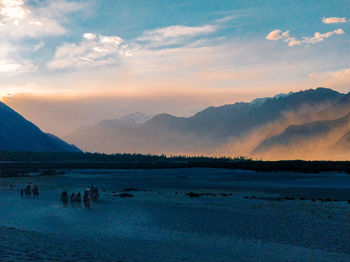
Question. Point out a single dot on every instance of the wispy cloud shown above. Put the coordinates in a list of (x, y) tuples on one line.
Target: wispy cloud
[(174, 34), (339, 79), (334, 20), (94, 50), (60, 8), (15, 67), (11, 60), (292, 41), (99, 50)]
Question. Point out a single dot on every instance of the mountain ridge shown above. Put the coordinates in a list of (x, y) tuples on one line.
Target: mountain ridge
[(18, 134), (331, 134), (211, 130)]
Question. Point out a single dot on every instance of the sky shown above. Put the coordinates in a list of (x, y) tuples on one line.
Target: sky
[(64, 64)]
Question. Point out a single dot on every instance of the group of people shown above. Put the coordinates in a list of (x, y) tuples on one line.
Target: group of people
[(28, 190), (90, 194)]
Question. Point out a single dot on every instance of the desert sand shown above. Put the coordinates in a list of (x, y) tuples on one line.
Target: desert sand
[(239, 216)]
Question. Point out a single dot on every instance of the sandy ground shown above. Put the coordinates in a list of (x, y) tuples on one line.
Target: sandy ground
[(163, 224)]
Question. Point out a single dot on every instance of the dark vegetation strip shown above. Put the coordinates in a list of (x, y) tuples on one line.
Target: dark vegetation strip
[(21, 163)]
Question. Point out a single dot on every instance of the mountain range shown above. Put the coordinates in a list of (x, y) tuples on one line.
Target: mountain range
[(310, 124), (18, 134)]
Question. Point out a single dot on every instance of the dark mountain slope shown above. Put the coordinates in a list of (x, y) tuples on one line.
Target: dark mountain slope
[(18, 134)]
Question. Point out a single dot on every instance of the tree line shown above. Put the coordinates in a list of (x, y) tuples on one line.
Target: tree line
[(51, 163)]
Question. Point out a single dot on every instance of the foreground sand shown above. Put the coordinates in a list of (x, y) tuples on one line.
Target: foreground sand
[(163, 224)]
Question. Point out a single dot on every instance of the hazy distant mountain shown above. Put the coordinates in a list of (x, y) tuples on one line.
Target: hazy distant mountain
[(237, 119), (137, 118), (18, 134), (210, 131), (343, 144), (130, 120), (323, 138), (296, 137)]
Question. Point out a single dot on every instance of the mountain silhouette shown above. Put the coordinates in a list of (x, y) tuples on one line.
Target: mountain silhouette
[(18, 134), (208, 131)]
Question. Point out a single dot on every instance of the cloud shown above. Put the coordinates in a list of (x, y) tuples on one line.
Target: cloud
[(60, 8), (137, 59), (99, 50), (14, 67), (333, 20), (318, 37), (89, 36), (277, 34), (11, 60), (94, 50), (174, 34), (36, 47), (13, 9), (292, 41), (339, 79), (18, 19)]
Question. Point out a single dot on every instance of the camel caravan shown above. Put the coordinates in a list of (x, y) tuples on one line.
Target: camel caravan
[(28, 190), (90, 194)]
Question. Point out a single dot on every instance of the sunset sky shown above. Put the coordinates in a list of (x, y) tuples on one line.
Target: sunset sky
[(64, 63)]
